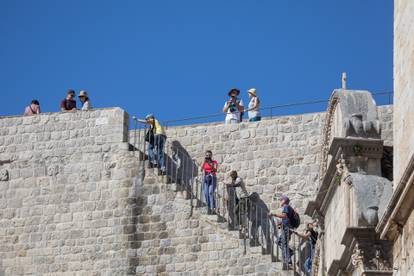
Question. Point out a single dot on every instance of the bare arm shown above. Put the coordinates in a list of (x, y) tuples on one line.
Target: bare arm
[(255, 105), (240, 107), (143, 121), (215, 167), (226, 107), (305, 236), (281, 215)]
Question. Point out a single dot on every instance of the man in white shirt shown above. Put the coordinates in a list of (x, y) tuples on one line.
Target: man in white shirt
[(235, 191), (233, 107)]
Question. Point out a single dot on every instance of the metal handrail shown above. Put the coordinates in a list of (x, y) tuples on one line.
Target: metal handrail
[(184, 172), (269, 108)]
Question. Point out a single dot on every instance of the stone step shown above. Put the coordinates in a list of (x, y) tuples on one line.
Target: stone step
[(169, 227)]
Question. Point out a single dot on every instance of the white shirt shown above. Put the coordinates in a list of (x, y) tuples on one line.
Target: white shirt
[(233, 115), (86, 105), (255, 112), (239, 190)]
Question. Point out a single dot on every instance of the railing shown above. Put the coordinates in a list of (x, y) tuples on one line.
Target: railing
[(246, 215), (381, 98)]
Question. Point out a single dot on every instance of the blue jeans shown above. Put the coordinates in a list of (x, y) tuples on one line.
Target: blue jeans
[(309, 260), (284, 244), (255, 119), (156, 151), (210, 182)]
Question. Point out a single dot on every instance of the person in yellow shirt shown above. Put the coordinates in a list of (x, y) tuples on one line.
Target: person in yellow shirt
[(156, 138)]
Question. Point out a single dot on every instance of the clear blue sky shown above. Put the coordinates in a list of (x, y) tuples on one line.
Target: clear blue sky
[(179, 58)]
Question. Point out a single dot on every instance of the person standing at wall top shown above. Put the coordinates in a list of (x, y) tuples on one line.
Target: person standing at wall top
[(210, 167), (156, 149), (84, 99), (33, 108), (233, 107), (68, 104), (254, 106)]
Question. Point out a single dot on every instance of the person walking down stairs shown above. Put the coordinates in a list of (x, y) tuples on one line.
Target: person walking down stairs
[(156, 142), (209, 168)]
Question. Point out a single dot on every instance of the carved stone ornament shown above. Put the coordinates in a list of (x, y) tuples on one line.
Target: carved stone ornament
[(342, 172), (4, 175), (357, 115), (372, 259), (357, 257), (53, 170), (379, 262)]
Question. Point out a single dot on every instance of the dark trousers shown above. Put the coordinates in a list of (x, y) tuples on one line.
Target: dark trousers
[(233, 209), (283, 243)]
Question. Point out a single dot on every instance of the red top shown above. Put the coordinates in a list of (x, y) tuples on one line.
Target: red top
[(209, 169)]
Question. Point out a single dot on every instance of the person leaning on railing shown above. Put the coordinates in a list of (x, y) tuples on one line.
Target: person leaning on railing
[(69, 103), (209, 168), (311, 236), (286, 226), (32, 109), (235, 190), (155, 149)]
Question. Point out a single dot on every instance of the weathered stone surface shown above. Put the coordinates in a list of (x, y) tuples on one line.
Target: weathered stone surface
[(75, 202), (58, 212), (398, 224)]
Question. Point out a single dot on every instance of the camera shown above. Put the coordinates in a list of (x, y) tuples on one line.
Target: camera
[(232, 107)]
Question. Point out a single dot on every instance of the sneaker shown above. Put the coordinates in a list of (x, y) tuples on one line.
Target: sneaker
[(285, 266)]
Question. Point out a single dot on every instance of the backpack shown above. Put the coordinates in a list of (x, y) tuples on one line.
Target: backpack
[(149, 136), (294, 219)]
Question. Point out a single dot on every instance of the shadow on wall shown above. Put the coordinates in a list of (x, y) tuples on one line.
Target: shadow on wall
[(260, 231), (181, 168)]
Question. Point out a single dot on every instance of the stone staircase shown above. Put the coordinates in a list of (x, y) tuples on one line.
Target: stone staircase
[(173, 239)]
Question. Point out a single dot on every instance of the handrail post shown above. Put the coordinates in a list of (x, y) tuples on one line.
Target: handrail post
[(294, 254), (135, 133), (191, 183), (144, 144)]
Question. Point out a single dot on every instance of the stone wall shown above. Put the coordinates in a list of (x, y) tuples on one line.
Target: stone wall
[(404, 132), (279, 155), (403, 85), (69, 191), (65, 181), (403, 249)]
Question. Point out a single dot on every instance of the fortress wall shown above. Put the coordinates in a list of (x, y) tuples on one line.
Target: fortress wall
[(279, 155), (67, 182), (64, 183)]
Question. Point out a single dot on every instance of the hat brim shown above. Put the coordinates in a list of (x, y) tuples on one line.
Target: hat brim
[(234, 90)]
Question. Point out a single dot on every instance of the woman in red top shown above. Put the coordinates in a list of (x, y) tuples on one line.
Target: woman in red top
[(209, 168)]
